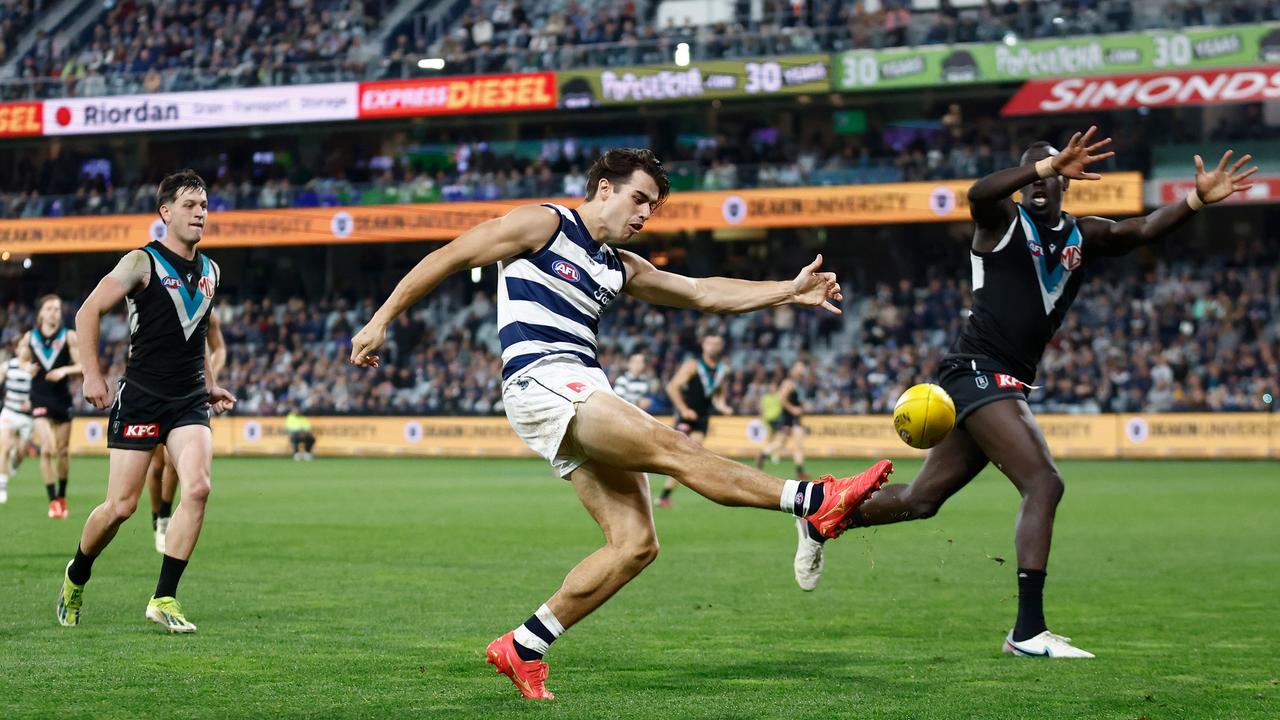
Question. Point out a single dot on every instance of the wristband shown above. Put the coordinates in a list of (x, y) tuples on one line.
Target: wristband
[(1194, 202), (1044, 168)]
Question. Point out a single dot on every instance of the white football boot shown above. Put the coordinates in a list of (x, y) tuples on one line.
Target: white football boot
[(1046, 644), (809, 561)]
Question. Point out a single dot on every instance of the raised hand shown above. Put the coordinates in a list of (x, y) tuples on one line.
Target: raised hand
[(817, 288), (1219, 184), (1080, 153)]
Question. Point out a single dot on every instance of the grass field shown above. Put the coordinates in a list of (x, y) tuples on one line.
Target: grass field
[(369, 588)]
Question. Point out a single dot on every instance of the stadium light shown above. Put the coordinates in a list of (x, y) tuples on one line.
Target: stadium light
[(5, 256), (26, 263), (431, 63), (682, 54), (1010, 38)]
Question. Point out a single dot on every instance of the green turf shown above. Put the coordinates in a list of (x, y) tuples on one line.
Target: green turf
[(369, 588)]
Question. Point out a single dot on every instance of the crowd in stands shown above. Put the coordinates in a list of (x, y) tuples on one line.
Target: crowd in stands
[(948, 148), (15, 17), (1191, 333), (155, 45)]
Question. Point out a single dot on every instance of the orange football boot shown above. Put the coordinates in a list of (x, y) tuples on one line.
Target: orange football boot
[(529, 676), (841, 497)]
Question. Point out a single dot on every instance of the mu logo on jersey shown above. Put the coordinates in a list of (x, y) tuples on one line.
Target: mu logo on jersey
[(1071, 257), (566, 270), (206, 286)]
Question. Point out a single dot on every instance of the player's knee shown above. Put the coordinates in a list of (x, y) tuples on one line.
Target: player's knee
[(922, 506), (639, 553), (120, 509), (197, 492), (1047, 487)]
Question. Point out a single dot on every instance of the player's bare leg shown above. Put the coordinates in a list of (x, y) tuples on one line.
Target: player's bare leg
[(155, 488), (1009, 435), (42, 431), (669, 486), (9, 443), (191, 448), (797, 451)]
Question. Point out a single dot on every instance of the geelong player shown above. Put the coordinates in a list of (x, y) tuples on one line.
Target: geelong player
[(558, 272), (696, 387), (1029, 260), (50, 348), (165, 396), (636, 384), (162, 476), (15, 419)]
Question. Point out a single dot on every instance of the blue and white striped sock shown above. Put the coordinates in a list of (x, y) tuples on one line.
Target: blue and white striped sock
[(535, 636)]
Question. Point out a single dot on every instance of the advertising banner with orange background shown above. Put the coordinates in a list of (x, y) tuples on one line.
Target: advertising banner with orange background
[(1225, 435), (1116, 194)]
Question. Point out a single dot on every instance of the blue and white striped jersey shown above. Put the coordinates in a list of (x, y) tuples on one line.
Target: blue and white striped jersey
[(550, 301), (17, 387)]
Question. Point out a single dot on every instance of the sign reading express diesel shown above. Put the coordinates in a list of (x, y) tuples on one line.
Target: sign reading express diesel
[(443, 96), (187, 110), (1061, 57), (786, 74)]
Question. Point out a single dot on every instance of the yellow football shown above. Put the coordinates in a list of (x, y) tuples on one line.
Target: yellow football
[(924, 415)]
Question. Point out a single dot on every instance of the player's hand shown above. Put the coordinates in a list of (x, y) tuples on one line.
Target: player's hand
[(817, 288), (1080, 153), (96, 392), (1219, 184), (688, 414), (56, 374), (221, 400), (371, 337)]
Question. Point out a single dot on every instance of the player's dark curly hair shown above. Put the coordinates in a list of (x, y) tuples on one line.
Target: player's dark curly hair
[(617, 165), (185, 179)]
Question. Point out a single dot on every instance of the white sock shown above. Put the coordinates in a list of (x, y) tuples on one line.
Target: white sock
[(787, 502), (533, 634)]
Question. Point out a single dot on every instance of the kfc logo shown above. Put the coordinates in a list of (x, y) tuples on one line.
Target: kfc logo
[(1071, 257), (566, 270), (142, 431), (1007, 381)]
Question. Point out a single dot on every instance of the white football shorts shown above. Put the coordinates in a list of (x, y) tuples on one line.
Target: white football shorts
[(11, 421), (542, 399)]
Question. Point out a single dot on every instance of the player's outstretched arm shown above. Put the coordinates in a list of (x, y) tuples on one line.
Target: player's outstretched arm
[(130, 274), (524, 229), (1108, 237), (989, 198), (729, 295)]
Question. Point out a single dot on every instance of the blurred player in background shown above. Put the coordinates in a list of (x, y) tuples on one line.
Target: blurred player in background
[(1029, 261), (786, 427), (637, 383), (162, 476), (696, 387), (51, 354), (15, 418), (166, 394), (558, 272)]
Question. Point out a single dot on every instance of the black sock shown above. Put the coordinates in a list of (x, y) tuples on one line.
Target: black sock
[(154, 518), (62, 487), (170, 573), (535, 626), (666, 493), (81, 568), (1030, 605), (52, 490), (166, 509)]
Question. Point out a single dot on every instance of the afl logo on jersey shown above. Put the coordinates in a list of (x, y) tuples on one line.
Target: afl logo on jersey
[(1071, 257), (566, 270), (171, 282), (206, 286)]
